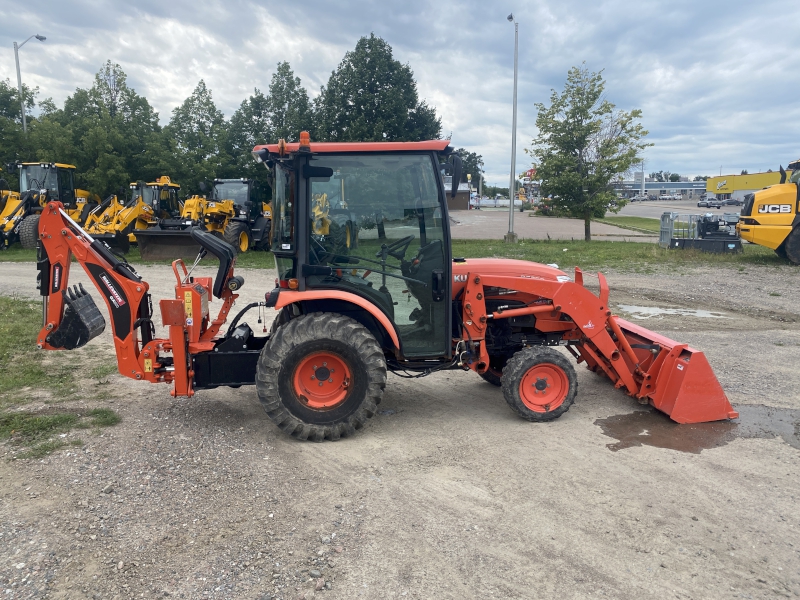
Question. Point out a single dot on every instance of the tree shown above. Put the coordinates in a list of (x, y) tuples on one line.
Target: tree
[(584, 142), (199, 134), (700, 178), (372, 97), (744, 172), (472, 164), (673, 177), (289, 107)]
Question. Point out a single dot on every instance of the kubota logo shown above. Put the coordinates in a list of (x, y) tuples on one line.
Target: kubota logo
[(722, 184), (774, 208), (460, 278)]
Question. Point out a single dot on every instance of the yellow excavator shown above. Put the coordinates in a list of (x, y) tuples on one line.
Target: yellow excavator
[(39, 183), (117, 223), (771, 217), (228, 209)]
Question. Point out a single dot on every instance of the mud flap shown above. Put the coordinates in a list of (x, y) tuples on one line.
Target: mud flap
[(82, 321), (676, 379)]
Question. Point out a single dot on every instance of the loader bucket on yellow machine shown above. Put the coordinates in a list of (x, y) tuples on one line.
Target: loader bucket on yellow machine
[(676, 379), (165, 244)]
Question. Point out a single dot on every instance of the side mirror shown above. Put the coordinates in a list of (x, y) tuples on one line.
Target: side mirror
[(783, 175), (11, 167), (203, 187), (455, 160)]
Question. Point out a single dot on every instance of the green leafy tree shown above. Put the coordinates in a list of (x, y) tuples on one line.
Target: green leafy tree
[(701, 178), (199, 133), (674, 177), (472, 164), (584, 143), (289, 107), (744, 172), (373, 97)]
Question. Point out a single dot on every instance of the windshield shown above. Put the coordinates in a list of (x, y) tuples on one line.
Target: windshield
[(283, 210), (232, 190), (147, 194), (37, 177)]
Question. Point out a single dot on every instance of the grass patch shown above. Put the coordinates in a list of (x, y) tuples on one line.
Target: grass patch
[(38, 432), (630, 256), (642, 224), (102, 371), (16, 254)]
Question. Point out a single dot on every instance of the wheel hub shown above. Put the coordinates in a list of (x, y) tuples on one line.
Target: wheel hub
[(322, 380), (544, 387)]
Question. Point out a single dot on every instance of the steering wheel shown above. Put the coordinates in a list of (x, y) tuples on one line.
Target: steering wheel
[(397, 249)]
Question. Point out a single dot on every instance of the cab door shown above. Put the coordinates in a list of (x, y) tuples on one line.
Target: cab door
[(379, 222)]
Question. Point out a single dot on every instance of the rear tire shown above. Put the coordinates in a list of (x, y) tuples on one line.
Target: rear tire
[(791, 246), (539, 384), (321, 376), (29, 232), (238, 235)]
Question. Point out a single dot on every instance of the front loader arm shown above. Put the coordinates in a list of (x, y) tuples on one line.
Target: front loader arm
[(69, 315), (673, 377)]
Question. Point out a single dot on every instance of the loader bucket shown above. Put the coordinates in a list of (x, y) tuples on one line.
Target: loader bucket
[(165, 244), (118, 241), (82, 320), (677, 379)]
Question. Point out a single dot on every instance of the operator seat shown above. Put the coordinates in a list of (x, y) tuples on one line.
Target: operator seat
[(222, 250), (421, 267)]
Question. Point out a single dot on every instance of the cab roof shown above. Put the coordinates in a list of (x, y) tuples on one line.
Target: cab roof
[(337, 147), (49, 164)]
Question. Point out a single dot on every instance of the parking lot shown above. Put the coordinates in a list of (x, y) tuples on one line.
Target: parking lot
[(446, 493)]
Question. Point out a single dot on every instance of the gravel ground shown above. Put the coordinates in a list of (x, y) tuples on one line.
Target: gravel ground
[(446, 494)]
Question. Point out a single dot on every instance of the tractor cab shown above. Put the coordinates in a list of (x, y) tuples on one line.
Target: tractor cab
[(241, 192), (161, 195), (368, 224), (57, 179)]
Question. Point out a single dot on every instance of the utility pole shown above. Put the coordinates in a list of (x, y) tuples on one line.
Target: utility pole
[(41, 38), (511, 237)]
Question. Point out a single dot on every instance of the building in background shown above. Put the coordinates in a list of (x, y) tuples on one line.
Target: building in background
[(736, 187)]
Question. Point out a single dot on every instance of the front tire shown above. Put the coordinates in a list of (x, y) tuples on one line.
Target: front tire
[(238, 235), (321, 376), (539, 384), (29, 232), (791, 246)]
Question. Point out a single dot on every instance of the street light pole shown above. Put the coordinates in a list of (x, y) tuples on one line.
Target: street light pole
[(41, 38), (511, 237)]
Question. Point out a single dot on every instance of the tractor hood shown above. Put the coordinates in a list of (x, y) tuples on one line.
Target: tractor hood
[(503, 266)]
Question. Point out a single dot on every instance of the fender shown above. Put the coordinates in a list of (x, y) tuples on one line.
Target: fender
[(287, 297)]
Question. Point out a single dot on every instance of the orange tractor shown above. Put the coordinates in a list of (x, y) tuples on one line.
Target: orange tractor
[(350, 312)]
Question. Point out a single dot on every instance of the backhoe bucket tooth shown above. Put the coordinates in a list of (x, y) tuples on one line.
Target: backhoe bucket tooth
[(677, 379), (165, 244), (82, 321)]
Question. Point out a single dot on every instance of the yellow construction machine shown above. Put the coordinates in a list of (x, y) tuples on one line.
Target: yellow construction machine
[(771, 217), (119, 222), (229, 210), (39, 183)]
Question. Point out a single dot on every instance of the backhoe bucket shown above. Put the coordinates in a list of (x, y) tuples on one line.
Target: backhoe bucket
[(676, 379), (166, 244), (82, 320)]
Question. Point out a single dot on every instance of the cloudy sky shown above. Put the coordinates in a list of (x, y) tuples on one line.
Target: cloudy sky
[(717, 81)]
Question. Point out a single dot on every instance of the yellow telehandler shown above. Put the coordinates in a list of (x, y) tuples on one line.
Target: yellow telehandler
[(39, 183), (118, 223), (771, 217)]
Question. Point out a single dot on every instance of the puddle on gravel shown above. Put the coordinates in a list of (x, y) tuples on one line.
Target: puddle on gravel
[(653, 428), (645, 312)]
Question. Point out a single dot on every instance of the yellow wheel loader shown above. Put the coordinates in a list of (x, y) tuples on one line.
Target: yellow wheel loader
[(230, 211), (39, 183), (118, 223), (771, 217)]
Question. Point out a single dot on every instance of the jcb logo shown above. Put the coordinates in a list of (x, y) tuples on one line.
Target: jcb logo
[(460, 278), (774, 208)]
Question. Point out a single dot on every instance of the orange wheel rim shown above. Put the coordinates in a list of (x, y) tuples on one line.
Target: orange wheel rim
[(322, 380), (544, 388)]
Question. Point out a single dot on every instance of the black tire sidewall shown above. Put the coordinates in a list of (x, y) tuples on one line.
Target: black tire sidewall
[(232, 232), (29, 232), (358, 376)]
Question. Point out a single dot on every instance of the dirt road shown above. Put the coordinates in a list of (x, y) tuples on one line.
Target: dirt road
[(446, 494)]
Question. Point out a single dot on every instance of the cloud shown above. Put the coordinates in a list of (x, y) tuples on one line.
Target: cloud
[(715, 80)]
